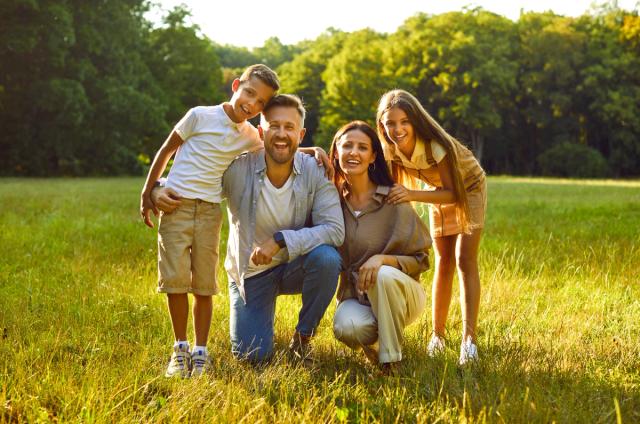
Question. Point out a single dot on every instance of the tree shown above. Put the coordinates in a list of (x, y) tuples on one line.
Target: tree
[(185, 65), (303, 76), (355, 80), (77, 97), (461, 66), (611, 87)]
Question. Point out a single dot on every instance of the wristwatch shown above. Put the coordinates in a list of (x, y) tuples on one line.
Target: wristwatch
[(279, 238)]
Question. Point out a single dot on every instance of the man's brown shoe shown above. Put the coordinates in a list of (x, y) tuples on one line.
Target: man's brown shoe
[(300, 348)]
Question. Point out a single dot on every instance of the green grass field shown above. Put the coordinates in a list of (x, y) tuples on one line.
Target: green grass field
[(85, 338)]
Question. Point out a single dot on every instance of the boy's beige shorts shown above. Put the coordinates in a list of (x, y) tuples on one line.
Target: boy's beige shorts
[(188, 248)]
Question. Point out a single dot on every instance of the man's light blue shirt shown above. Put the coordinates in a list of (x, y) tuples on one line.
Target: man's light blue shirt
[(317, 213)]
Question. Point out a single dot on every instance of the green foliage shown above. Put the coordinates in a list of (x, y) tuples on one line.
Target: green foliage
[(355, 80), (77, 96), (273, 53), (233, 56), (185, 65), (85, 338), (87, 88), (573, 160), (304, 77), (461, 66)]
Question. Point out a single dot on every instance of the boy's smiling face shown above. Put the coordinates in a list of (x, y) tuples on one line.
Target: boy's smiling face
[(249, 98)]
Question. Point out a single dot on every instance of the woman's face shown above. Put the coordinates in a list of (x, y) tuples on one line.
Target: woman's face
[(399, 129), (355, 152)]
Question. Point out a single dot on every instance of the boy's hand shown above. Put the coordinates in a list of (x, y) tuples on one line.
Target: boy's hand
[(263, 254), (146, 206), (323, 159), (166, 199)]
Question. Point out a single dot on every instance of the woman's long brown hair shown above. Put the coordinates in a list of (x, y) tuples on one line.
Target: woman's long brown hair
[(379, 173)]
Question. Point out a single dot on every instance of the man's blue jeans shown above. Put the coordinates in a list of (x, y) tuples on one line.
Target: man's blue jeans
[(315, 275)]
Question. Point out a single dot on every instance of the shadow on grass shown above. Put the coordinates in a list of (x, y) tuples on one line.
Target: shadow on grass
[(509, 383)]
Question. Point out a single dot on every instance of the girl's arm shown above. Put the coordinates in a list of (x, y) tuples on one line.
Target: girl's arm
[(446, 194)]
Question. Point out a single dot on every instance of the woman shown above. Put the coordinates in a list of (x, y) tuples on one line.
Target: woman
[(385, 250), (421, 151)]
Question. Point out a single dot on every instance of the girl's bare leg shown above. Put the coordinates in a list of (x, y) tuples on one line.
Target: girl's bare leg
[(467, 263), (444, 248)]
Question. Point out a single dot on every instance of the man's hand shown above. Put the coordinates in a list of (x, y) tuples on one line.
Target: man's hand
[(146, 206), (399, 194), (165, 199), (263, 254), (368, 272)]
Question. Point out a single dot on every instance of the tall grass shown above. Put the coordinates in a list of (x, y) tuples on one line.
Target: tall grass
[(84, 337)]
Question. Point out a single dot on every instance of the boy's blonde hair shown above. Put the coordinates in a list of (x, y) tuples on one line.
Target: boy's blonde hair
[(427, 129), (263, 73)]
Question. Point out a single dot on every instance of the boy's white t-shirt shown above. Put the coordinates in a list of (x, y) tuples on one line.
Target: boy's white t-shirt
[(211, 142), (274, 212)]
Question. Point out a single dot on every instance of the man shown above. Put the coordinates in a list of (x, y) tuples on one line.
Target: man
[(285, 221)]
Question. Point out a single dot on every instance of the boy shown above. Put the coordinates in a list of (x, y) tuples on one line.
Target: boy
[(207, 139)]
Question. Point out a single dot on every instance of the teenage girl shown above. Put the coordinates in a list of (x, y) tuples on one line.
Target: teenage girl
[(420, 150)]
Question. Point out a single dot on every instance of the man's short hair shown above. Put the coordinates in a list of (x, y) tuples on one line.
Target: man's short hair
[(263, 73), (286, 100)]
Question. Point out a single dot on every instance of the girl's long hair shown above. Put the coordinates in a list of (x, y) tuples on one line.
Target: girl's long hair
[(427, 129), (379, 173)]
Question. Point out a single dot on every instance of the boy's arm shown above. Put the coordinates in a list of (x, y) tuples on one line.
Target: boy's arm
[(321, 157), (158, 166)]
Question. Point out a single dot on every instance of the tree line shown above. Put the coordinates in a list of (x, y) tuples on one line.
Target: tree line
[(93, 88)]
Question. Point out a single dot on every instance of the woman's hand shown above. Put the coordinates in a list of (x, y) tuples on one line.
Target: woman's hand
[(399, 194), (368, 272)]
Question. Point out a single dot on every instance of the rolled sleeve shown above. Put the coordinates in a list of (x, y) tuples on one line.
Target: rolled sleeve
[(413, 265), (326, 218)]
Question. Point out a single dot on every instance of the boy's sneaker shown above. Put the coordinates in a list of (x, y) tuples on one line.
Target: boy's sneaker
[(468, 352), (199, 363), (180, 363), (435, 346)]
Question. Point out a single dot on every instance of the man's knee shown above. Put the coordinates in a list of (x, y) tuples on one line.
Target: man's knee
[(325, 257)]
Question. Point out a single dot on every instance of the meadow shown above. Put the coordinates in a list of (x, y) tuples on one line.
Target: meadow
[(85, 338)]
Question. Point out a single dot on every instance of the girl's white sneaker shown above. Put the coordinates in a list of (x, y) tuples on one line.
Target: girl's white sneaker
[(468, 352), (435, 346)]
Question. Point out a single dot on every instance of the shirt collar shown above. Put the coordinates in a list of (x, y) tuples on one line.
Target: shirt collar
[(418, 157), (379, 198)]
